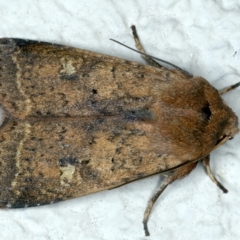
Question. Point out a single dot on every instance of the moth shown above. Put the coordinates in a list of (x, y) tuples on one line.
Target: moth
[(77, 122)]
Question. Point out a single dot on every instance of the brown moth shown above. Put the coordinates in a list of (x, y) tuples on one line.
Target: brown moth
[(78, 122)]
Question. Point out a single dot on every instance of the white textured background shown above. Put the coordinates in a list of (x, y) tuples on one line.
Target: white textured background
[(202, 37)]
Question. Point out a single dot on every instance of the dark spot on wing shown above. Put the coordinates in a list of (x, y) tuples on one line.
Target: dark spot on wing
[(70, 77), (65, 161), (140, 114)]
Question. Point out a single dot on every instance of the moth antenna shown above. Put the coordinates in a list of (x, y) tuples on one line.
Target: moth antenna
[(158, 59), (229, 88)]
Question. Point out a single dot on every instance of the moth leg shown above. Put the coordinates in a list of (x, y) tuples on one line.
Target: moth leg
[(206, 165), (141, 49), (177, 174)]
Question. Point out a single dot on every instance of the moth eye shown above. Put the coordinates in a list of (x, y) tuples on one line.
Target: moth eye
[(206, 112), (230, 138)]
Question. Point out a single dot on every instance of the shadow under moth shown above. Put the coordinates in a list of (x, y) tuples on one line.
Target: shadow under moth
[(77, 122)]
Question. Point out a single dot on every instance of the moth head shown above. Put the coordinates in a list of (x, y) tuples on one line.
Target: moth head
[(229, 130), (222, 120)]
